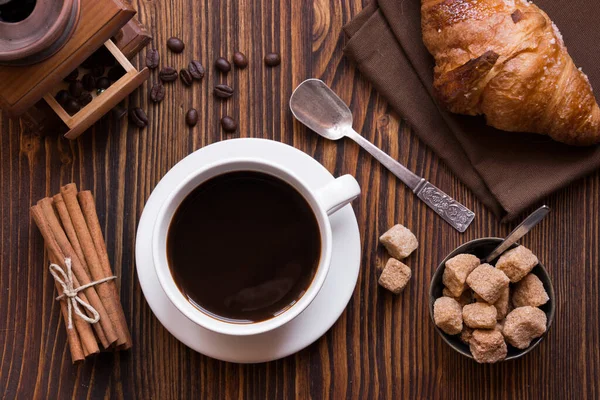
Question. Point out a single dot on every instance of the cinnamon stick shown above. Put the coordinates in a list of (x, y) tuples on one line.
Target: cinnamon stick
[(80, 274), (75, 346), (67, 224), (82, 336), (105, 291), (88, 207)]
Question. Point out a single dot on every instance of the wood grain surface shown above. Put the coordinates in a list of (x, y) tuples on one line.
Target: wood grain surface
[(383, 346)]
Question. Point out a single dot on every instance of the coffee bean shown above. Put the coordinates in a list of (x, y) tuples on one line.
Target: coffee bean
[(97, 71), (89, 82), (138, 117), (85, 98), (272, 59), (102, 83), (75, 88), (223, 91), (191, 117), (115, 73), (222, 65), (62, 97), (228, 124), (175, 45), (186, 77), (240, 60), (72, 76), (157, 93), (71, 106), (168, 74), (152, 58), (196, 69)]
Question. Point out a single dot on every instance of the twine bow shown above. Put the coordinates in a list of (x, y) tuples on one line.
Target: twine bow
[(65, 280)]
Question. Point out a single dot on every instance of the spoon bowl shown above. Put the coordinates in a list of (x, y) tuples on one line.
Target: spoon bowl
[(318, 107)]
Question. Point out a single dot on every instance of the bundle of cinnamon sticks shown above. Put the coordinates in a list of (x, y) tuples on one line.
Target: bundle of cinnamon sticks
[(69, 224)]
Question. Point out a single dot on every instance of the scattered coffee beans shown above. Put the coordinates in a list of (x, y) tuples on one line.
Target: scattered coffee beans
[(75, 88), (191, 117), (102, 83), (89, 82), (168, 74), (228, 124), (72, 76), (185, 77), (223, 91), (97, 71), (71, 106), (222, 65), (138, 117), (62, 97), (115, 73), (272, 59), (152, 58), (85, 98), (240, 60), (175, 45), (196, 70), (157, 93)]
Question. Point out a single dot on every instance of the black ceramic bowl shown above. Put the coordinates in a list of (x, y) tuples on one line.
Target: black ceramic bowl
[(481, 248)]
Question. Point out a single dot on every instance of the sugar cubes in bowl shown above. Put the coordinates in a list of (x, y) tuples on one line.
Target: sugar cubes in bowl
[(491, 312)]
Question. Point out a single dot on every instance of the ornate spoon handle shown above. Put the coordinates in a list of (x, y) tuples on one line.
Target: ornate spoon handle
[(457, 215)]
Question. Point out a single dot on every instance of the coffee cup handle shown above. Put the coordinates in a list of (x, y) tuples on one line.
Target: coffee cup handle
[(338, 193)]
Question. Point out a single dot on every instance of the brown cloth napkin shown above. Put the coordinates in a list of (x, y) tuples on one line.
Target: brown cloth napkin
[(509, 172)]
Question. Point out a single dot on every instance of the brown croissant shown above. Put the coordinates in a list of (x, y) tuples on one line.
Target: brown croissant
[(507, 60)]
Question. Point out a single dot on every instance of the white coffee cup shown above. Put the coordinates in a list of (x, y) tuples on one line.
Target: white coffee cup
[(323, 202)]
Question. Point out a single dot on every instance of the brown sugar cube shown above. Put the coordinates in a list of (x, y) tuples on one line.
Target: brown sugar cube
[(399, 241), (517, 263), (395, 276), (456, 271), (447, 314), (488, 282), (524, 324), (487, 346), (529, 291), (479, 316), (465, 298), (466, 334), (502, 304)]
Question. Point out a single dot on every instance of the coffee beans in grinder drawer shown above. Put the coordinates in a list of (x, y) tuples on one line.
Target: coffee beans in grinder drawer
[(95, 75)]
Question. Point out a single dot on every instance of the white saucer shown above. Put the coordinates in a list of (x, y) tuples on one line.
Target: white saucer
[(311, 324)]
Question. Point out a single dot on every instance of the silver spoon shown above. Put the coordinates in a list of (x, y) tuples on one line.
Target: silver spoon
[(315, 105), (535, 218)]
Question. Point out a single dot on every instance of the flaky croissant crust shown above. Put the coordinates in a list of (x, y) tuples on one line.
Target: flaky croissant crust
[(507, 60)]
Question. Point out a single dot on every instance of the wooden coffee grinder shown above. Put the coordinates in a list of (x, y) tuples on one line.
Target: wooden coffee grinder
[(43, 41)]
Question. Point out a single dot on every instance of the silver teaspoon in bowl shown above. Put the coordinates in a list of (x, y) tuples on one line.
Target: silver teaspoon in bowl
[(535, 218), (318, 107)]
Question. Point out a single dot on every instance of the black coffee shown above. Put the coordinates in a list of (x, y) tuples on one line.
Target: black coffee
[(243, 246)]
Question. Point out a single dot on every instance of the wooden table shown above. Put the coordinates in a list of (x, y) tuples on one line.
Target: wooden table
[(383, 346)]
